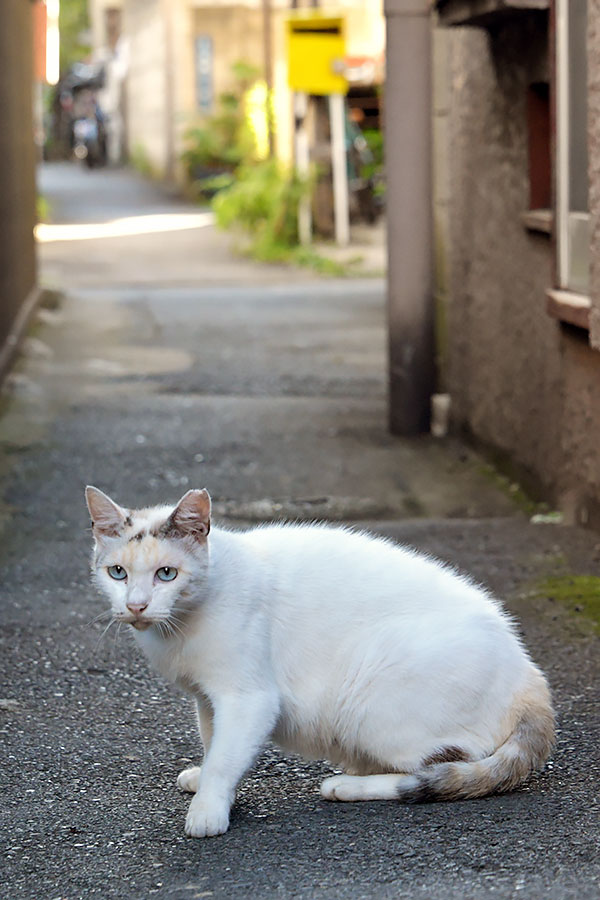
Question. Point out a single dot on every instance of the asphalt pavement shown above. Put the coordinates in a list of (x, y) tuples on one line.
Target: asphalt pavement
[(168, 362)]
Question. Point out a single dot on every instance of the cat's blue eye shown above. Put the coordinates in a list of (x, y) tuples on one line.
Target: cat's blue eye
[(117, 572), (166, 573)]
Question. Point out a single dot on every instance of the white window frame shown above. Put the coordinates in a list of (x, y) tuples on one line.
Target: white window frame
[(570, 226)]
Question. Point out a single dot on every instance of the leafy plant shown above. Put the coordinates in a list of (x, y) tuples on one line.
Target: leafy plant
[(262, 203), (225, 140), (42, 208), (74, 26), (374, 170), (140, 161)]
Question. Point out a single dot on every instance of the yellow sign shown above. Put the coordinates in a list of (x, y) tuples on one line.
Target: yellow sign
[(316, 50)]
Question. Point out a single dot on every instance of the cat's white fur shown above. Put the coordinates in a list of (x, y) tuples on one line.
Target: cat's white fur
[(332, 643)]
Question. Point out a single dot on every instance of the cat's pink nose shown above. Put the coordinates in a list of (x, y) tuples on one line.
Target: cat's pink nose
[(136, 608)]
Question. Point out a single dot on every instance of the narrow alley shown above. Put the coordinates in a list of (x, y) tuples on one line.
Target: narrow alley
[(162, 361)]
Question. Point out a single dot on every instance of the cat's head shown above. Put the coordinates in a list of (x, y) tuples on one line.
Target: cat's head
[(150, 562)]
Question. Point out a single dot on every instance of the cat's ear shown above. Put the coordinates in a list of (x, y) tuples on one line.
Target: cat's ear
[(191, 516), (107, 517)]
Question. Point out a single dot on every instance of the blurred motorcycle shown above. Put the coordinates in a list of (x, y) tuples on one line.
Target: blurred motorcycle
[(87, 122), (88, 141)]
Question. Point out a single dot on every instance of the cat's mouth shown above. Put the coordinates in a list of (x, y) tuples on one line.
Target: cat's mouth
[(141, 624)]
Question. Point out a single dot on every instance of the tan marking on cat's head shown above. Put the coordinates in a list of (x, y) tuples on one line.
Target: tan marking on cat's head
[(143, 541)]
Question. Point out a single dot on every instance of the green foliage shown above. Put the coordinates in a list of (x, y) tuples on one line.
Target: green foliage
[(374, 169), (42, 208), (245, 74), (263, 204), (263, 201), (374, 139), (73, 24), (225, 140), (140, 161)]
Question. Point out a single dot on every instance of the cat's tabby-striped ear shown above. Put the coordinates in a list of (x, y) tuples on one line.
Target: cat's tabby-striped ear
[(191, 516), (108, 518)]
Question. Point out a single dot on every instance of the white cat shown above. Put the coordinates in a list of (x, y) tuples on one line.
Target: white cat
[(334, 644)]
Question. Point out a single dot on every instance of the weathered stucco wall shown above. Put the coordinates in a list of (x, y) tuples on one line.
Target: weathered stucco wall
[(149, 114), (594, 162), (17, 172), (521, 383)]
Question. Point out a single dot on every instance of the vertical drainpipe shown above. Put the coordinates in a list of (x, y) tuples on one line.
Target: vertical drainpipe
[(408, 149)]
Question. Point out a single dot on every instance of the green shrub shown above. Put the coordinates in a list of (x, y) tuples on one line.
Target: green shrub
[(262, 203), (139, 159), (42, 208), (374, 169), (223, 141)]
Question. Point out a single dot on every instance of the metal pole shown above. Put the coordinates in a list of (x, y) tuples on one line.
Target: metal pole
[(268, 64), (340, 170), (302, 165), (409, 214)]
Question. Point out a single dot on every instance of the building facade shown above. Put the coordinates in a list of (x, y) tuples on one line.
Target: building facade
[(180, 56), (517, 235), (18, 292)]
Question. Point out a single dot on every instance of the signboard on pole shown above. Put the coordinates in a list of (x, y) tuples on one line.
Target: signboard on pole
[(316, 51)]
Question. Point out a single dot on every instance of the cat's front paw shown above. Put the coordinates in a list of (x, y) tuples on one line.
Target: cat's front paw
[(206, 820), (189, 779)]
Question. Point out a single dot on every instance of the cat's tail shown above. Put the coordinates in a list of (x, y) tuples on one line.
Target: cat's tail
[(526, 749), (458, 778)]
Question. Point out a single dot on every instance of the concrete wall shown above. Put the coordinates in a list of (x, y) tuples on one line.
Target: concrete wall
[(521, 383), (161, 101), (594, 161), (17, 173), (149, 130), (97, 12)]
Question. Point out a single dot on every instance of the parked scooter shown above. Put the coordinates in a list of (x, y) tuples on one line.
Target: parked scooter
[(89, 143), (78, 101)]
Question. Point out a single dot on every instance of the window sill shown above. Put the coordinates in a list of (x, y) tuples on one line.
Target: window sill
[(486, 13), (540, 220), (566, 306)]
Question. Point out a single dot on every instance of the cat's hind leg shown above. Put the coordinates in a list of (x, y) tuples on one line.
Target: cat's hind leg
[(188, 780), (365, 787)]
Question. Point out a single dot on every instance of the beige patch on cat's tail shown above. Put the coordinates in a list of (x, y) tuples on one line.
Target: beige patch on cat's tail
[(526, 749)]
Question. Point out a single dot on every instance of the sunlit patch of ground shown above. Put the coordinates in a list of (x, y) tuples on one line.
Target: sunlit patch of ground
[(128, 226)]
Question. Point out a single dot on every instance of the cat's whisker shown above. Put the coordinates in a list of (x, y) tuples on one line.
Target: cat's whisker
[(104, 632), (178, 629), (117, 633), (175, 625), (103, 615)]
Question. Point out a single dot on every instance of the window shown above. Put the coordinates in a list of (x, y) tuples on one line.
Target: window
[(203, 63), (572, 211), (538, 122), (112, 24)]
